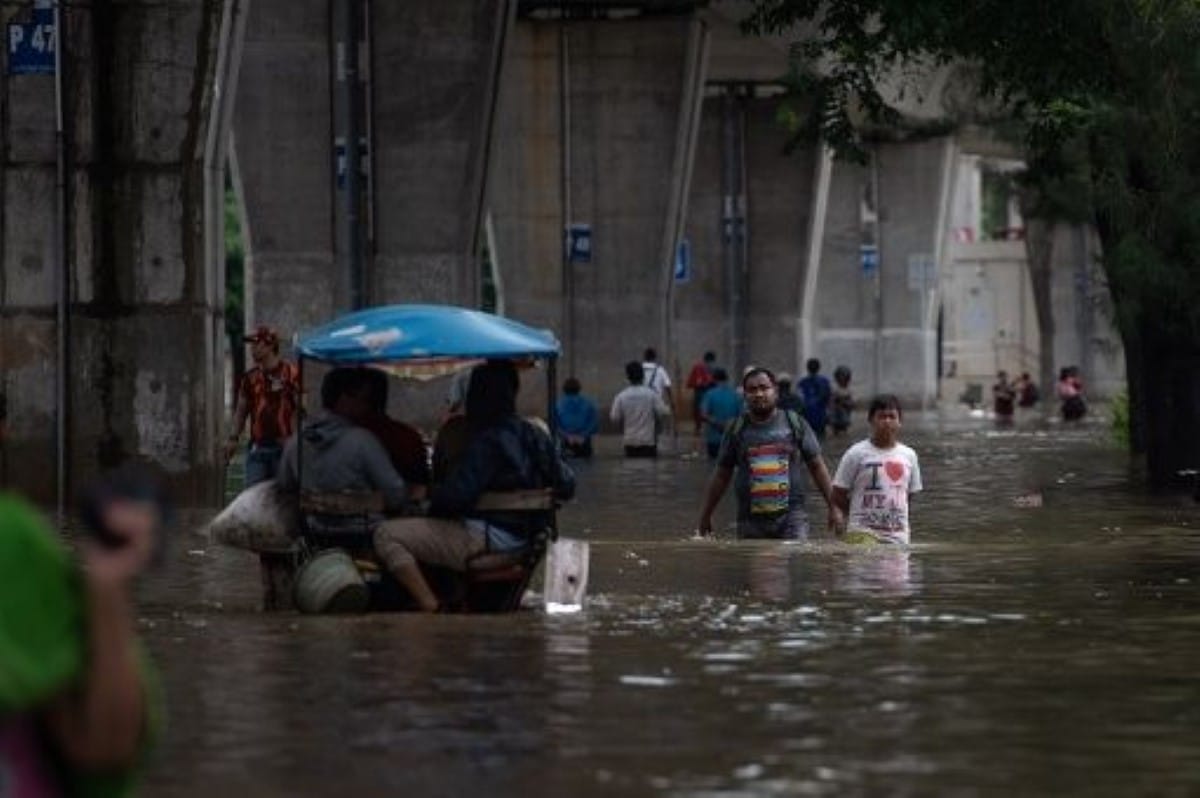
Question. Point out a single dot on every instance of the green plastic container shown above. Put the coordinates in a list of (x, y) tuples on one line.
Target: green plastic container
[(330, 583)]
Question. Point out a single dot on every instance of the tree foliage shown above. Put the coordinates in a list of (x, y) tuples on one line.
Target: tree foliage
[(1105, 95)]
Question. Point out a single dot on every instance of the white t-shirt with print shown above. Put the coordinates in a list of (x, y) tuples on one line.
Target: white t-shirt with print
[(879, 482), (655, 377)]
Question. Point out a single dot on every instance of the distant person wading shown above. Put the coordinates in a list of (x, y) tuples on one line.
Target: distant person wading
[(640, 411)]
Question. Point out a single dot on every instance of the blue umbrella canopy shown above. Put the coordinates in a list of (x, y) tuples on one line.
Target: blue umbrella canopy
[(431, 337)]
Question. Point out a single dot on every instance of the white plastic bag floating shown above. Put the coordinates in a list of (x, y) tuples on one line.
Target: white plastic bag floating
[(566, 575), (261, 518)]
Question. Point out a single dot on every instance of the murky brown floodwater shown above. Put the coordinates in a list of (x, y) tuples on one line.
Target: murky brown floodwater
[(1011, 651)]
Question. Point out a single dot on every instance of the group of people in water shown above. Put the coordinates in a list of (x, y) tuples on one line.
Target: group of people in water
[(764, 435), (1023, 392), (643, 408), (765, 439), (767, 450), (485, 448)]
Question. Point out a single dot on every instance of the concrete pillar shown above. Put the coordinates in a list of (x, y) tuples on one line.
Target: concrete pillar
[(138, 102), (780, 188), (1085, 335), (913, 185), (778, 205), (432, 69), (435, 77), (282, 126), (633, 92), (702, 319)]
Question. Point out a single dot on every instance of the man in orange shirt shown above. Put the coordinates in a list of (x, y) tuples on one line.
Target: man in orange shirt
[(269, 396)]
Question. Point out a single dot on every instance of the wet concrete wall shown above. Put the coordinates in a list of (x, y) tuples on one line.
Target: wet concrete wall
[(892, 335), (435, 75), (778, 203), (137, 96), (1085, 334), (284, 152), (432, 70), (631, 97), (779, 206), (702, 303), (780, 200)]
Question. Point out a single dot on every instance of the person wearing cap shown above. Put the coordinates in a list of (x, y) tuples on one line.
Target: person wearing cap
[(269, 396)]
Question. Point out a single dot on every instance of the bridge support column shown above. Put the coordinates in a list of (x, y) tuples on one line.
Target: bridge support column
[(430, 70), (749, 235), (912, 205), (633, 93), (137, 102)]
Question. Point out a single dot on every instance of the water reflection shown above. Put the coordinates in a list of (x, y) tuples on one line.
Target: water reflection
[(1050, 647)]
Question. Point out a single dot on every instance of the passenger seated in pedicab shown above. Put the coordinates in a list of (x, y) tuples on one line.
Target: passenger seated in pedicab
[(404, 445), (454, 433), (503, 453), (340, 456), (451, 439)]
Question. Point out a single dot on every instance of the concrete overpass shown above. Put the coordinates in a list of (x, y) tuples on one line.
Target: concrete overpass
[(481, 127)]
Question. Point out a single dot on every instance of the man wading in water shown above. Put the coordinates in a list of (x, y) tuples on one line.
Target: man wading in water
[(766, 446)]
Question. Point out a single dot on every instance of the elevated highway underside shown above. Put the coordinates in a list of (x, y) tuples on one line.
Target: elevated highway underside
[(483, 130)]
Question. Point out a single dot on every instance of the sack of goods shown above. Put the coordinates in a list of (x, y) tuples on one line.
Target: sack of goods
[(262, 519)]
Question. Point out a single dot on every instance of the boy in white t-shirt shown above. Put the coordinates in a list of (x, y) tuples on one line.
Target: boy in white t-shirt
[(876, 478)]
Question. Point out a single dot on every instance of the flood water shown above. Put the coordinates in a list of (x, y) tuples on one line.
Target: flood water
[(1012, 650)]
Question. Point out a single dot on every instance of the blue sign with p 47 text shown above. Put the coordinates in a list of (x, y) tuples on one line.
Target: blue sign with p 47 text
[(31, 46)]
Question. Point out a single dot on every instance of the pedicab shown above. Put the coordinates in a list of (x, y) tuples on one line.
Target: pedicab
[(410, 342)]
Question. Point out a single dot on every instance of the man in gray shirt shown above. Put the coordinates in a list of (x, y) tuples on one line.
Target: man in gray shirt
[(338, 456), (765, 448), (639, 410)]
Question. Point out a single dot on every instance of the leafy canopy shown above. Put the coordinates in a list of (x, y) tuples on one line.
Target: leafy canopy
[(1105, 94)]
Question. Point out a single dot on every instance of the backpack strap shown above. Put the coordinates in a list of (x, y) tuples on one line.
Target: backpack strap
[(736, 426), (797, 425)]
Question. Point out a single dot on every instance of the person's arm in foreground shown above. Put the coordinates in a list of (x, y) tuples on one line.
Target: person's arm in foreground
[(820, 475), (717, 486), (100, 724)]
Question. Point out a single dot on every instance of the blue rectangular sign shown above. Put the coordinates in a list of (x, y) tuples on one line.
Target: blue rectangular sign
[(579, 243), (31, 46), (869, 254), (683, 261)]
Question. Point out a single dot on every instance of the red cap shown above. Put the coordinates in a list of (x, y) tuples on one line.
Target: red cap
[(262, 334)]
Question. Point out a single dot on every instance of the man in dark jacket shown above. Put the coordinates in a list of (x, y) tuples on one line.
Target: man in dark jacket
[(339, 456), (503, 453)]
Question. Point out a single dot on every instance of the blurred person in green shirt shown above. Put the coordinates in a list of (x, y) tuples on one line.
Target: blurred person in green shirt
[(77, 705)]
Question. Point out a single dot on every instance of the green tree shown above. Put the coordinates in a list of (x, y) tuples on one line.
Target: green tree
[(1106, 94)]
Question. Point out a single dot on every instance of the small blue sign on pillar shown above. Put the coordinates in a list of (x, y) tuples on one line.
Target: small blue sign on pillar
[(869, 255), (579, 243), (683, 261), (339, 159), (31, 45)]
